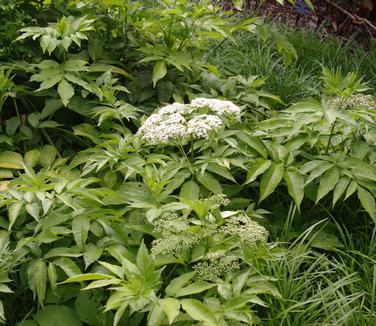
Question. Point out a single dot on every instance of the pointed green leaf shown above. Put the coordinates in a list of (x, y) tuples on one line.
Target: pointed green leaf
[(66, 91), (209, 182), (145, 262), (87, 277), (295, 185), (47, 155), (171, 307), (33, 210), (92, 254), (178, 283), (258, 167), (68, 266), (198, 311), (327, 182), (39, 271), (340, 188), (159, 72), (80, 230), (190, 190), (270, 180), (318, 171), (193, 288), (11, 160), (13, 212), (368, 202), (351, 189)]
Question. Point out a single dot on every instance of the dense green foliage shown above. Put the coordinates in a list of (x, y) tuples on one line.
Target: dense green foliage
[(252, 203)]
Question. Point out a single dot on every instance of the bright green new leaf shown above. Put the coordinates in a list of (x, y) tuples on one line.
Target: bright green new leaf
[(66, 91), (193, 288), (198, 311), (47, 155), (171, 307), (13, 212), (11, 160), (159, 72), (178, 283), (87, 277)]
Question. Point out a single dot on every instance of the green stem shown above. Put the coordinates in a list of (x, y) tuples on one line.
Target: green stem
[(330, 137)]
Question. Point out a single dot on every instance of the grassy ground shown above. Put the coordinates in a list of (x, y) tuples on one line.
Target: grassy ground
[(303, 77)]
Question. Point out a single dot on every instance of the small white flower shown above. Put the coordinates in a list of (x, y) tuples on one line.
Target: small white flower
[(202, 125), (220, 107), (178, 121), (173, 108)]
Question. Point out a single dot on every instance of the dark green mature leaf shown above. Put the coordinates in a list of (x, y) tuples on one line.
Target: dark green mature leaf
[(92, 254), (295, 185), (368, 202), (190, 190), (258, 167), (254, 143), (340, 188), (327, 182), (80, 229), (57, 316), (209, 182), (87, 306), (68, 266), (270, 180), (38, 272)]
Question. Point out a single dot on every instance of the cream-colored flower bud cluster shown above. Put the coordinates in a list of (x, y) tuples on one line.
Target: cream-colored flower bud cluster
[(247, 230), (356, 101), (215, 266), (181, 121), (217, 201)]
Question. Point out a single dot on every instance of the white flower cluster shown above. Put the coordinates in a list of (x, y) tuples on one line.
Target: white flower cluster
[(202, 125), (218, 106), (178, 121), (161, 128)]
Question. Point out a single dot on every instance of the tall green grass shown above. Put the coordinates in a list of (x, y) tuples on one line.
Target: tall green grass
[(301, 79), (323, 287)]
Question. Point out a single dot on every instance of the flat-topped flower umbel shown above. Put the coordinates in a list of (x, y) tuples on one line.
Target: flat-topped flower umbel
[(178, 121)]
